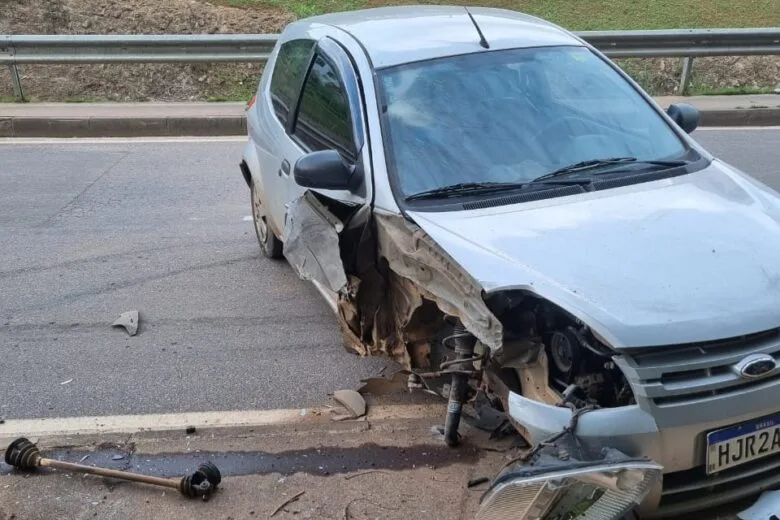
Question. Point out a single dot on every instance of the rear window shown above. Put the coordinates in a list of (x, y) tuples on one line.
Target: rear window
[(289, 69)]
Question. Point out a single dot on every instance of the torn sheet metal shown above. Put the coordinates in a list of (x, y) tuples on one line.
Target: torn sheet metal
[(394, 284), (311, 242), (413, 255)]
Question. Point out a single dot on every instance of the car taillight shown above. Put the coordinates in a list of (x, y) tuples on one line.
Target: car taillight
[(251, 102)]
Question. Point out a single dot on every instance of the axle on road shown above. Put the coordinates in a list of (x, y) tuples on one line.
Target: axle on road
[(23, 454)]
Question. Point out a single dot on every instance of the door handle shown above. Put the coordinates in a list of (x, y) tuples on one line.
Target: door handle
[(285, 169)]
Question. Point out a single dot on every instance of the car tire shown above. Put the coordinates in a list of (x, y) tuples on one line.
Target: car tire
[(269, 244)]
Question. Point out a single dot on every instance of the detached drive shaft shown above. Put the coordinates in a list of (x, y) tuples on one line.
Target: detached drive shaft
[(23, 454)]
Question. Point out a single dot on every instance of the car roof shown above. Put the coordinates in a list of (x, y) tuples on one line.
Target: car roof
[(402, 34)]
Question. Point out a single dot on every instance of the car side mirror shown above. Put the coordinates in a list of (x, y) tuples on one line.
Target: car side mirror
[(685, 115), (324, 169)]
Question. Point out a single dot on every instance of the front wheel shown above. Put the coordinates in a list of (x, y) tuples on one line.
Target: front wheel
[(269, 244)]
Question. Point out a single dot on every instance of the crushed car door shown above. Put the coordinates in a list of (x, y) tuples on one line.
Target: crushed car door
[(324, 225)]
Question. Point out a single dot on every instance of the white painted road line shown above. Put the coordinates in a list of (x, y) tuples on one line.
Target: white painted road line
[(120, 140), (735, 128), (202, 420)]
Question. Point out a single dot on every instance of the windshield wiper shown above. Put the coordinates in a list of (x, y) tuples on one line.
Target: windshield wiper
[(471, 188), (464, 187), (596, 164)]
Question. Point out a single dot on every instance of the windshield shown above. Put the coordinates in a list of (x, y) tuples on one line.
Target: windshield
[(512, 116)]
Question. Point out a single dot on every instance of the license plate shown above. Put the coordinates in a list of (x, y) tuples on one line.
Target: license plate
[(743, 443)]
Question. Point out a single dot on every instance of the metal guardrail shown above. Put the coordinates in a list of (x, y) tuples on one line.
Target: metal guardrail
[(215, 48), (685, 43)]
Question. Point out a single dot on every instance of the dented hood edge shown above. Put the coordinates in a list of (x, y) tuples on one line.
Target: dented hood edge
[(641, 265)]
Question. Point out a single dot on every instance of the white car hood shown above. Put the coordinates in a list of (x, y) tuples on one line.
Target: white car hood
[(688, 259)]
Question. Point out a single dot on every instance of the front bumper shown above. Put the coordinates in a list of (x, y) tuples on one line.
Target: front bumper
[(680, 449)]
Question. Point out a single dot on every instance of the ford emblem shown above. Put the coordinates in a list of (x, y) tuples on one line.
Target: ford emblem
[(756, 365)]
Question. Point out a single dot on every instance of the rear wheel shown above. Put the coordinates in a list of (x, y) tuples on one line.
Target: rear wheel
[(269, 244)]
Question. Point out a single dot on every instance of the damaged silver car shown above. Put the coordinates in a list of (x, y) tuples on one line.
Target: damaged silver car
[(491, 202)]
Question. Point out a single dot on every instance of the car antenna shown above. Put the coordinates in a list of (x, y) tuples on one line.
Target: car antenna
[(482, 41)]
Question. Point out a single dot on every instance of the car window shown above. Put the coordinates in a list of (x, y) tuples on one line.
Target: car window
[(289, 69), (324, 121), (512, 116)]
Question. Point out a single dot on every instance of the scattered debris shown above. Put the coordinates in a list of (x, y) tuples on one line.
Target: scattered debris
[(487, 417), (767, 507), (287, 502), (352, 401), (2, 419), (117, 457), (67, 382), (383, 386), (82, 459), (356, 475), (128, 320), (477, 481), (190, 430)]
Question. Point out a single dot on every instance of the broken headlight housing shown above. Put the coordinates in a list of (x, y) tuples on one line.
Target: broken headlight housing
[(554, 486)]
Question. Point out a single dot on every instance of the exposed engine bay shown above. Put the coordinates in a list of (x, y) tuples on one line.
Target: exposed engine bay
[(401, 295), (547, 355), (580, 368)]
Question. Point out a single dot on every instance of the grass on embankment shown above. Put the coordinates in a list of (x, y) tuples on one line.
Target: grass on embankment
[(581, 15)]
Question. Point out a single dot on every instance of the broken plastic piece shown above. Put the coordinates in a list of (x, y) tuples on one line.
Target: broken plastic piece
[(767, 507), (352, 401), (128, 320)]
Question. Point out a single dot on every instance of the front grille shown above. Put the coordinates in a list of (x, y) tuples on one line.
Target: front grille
[(688, 373)]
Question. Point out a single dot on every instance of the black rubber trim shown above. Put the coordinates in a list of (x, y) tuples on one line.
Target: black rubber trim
[(636, 178), (246, 173), (519, 198)]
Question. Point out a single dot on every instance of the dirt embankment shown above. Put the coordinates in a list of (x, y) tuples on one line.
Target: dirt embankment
[(163, 82), (167, 82)]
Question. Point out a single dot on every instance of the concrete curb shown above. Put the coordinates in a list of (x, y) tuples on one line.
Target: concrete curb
[(122, 126), (235, 125), (741, 117)]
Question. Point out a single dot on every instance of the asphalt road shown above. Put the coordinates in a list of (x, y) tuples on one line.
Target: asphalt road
[(91, 231), (88, 231)]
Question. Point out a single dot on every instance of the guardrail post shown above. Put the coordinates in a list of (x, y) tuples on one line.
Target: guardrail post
[(17, 82), (687, 72)]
